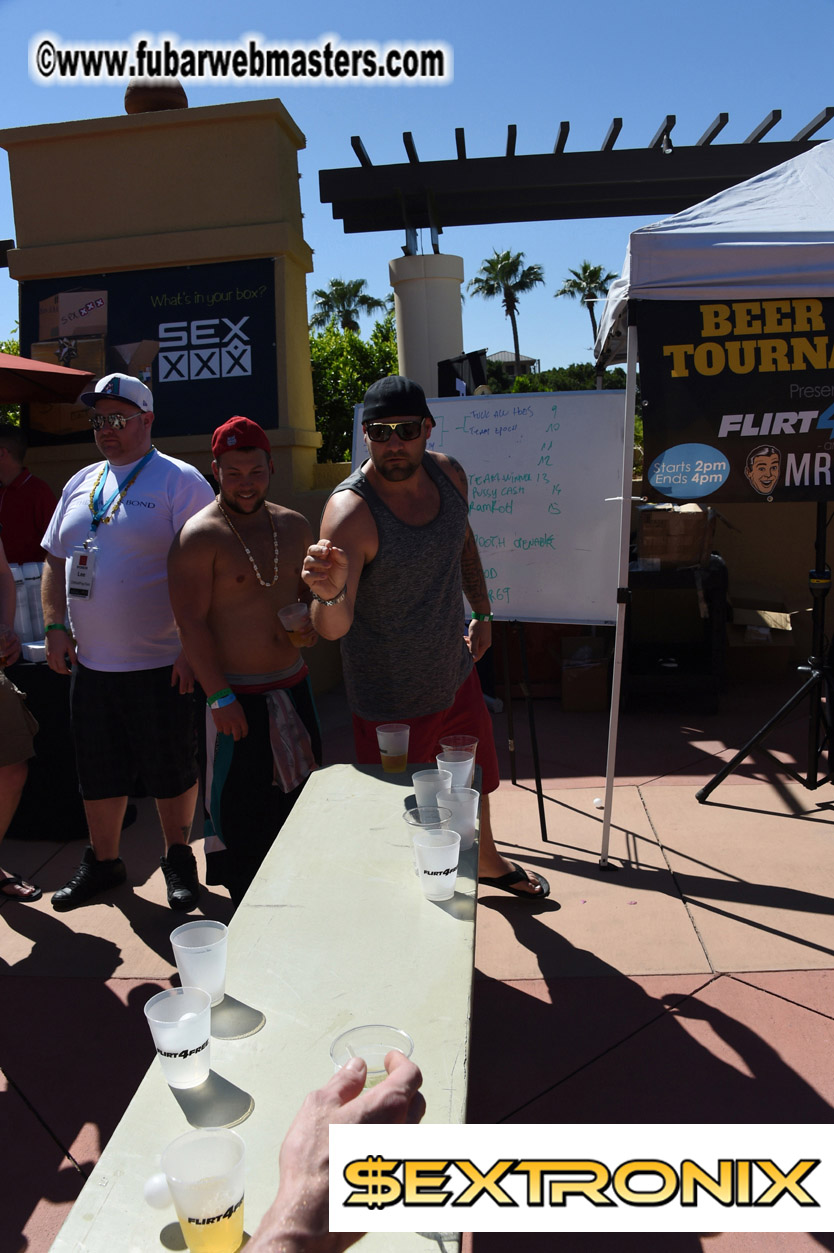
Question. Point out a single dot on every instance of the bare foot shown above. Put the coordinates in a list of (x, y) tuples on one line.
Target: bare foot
[(517, 880), (16, 888)]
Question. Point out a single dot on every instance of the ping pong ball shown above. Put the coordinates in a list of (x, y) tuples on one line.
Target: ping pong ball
[(157, 1192)]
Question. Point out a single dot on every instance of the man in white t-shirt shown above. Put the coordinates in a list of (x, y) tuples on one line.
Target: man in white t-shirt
[(109, 624)]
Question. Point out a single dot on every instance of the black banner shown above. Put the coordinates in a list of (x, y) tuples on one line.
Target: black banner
[(738, 399), (202, 337)]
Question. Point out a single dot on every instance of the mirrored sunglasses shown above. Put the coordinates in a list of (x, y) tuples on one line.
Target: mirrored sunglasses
[(381, 432), (116, 421)]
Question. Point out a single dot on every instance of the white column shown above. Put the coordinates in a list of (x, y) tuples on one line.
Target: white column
[(428, 312)]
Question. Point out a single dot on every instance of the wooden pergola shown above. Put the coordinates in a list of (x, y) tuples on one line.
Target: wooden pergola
[(659, 179)]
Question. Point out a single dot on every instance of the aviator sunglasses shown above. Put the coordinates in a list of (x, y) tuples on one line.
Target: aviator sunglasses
[(381, 432), (116, 421)]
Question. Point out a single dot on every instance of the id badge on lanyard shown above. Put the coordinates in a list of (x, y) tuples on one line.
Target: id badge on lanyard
[(82, 571)]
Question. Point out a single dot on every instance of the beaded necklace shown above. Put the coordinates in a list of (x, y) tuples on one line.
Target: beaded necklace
[(99, 517), (240, 539)]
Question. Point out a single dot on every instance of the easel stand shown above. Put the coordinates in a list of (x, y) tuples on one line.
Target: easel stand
[(819, 673), (525, 689)]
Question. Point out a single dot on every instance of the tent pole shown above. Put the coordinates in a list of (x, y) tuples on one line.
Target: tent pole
[(622, 590)]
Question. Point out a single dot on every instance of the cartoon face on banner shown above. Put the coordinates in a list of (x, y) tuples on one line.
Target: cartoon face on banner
[(738, 399), (202, 337)]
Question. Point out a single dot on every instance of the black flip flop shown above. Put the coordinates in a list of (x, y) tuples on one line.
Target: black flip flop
[(20, 882), (517, 875)]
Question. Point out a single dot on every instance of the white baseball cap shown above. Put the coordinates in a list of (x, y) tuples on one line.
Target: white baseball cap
[(121, 387)]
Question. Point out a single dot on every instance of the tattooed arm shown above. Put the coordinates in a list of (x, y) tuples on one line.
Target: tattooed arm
[(472, 572)]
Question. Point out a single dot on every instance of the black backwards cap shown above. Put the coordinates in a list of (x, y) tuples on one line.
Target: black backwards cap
[(395, 397)]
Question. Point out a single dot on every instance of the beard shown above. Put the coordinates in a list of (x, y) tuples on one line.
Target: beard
[(396, 472)]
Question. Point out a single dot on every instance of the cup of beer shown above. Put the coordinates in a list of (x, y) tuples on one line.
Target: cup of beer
[(180, 1023), (203, 1174), (372, 1043), (392, 738), (200, 953), (294, 618)]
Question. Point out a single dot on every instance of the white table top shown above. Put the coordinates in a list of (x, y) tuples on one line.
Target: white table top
[(334, 932)]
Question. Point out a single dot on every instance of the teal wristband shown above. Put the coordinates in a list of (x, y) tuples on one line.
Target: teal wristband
[(482, 617)]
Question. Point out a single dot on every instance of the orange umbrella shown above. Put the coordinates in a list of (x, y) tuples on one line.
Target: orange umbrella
[(23, 380)]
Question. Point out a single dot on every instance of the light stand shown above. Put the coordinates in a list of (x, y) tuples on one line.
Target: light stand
[(819, 672)]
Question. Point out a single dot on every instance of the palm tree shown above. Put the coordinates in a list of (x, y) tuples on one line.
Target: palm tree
[(504, 274), (588, 284), (344, 300)]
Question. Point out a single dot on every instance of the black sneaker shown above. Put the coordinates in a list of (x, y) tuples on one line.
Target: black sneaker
[(180, 871), (91, 877)]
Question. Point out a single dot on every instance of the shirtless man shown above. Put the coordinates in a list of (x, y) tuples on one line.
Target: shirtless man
[(230, 569)]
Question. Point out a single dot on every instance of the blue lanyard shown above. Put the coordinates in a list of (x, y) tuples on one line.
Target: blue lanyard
[(99, 510)]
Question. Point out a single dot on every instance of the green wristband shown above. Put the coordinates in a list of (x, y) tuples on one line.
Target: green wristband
[(55, 626), (482, 617), (224, 691)]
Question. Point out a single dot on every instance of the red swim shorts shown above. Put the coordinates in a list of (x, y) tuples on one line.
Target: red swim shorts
[(467, 715)]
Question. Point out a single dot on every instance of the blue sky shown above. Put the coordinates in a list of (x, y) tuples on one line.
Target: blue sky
[(530, 63)]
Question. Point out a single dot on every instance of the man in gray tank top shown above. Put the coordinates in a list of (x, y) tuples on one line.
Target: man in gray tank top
[(388, 577)]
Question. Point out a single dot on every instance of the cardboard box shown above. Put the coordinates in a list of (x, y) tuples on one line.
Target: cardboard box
[(585, 673), (66, 419), (136, 359), (674, 535), (760, 634), (73, 313)]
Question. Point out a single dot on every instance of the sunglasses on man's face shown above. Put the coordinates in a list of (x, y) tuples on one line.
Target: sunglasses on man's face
[(116, 421), (381, 432)]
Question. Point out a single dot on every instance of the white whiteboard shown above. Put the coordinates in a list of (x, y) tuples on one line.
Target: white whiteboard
[(545, 471)]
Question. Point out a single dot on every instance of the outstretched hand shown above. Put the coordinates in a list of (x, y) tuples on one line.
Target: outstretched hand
[(298, 1218), (325, 569)]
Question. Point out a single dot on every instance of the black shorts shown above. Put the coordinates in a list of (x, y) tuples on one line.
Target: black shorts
[(131, 728)]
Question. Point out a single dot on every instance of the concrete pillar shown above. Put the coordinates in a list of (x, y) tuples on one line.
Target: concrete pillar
[(428, 312)]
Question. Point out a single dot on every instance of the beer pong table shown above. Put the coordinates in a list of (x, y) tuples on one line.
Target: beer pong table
[(334, 932)]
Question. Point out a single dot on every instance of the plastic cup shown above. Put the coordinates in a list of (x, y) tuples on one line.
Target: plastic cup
[(460, 744), (292, 619), (426, 817), (463, 802), (180, 1023), (200, 953), (429, 783), (460, 764), (204, 1172), (437, 853), (392, 738), (371, 1043)]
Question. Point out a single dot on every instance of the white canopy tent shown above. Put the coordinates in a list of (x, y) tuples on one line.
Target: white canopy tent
[(768, 237), (771, 236)]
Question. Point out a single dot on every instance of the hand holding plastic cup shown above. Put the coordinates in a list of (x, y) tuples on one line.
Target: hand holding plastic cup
[(463, 802), (180, 1023), (437, 853), (203, 1174), (460, 763), (392, 738), (295, 619), (429, 783), (200, 953), (372, 1043)]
